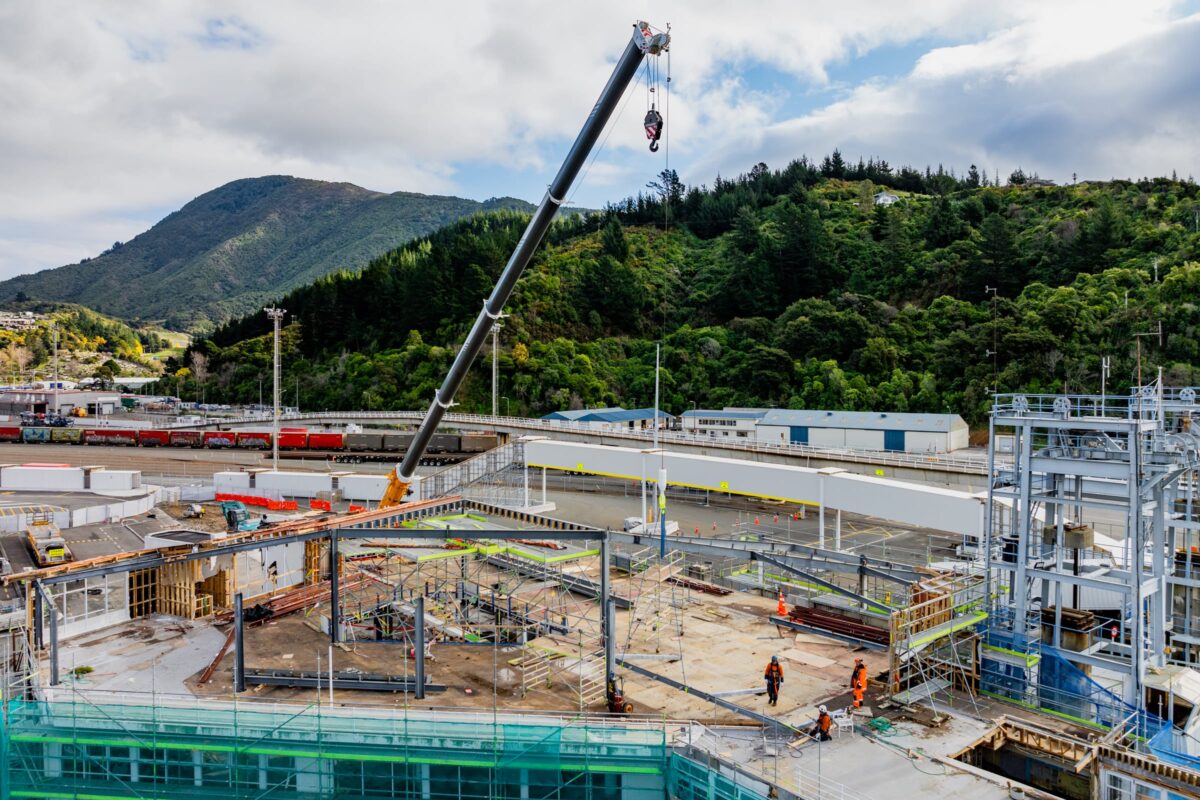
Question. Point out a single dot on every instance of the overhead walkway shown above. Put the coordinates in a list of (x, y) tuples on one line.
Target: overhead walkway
[(914, 504)]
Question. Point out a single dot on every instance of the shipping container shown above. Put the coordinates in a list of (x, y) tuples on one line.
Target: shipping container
[(395, 442), (10, 433), (110, 436), (66, 435), (154, 438), (293, 440), (251, 440), (358, 442), (443, 443), (32, 435), (477, 442), (326, 441), (186, 439), (218, 439)]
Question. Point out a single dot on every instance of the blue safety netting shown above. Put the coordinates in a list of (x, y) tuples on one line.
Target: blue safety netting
[(1027, 671)]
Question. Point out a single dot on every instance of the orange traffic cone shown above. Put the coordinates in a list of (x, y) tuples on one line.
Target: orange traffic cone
[(756, 520), (781, 609)]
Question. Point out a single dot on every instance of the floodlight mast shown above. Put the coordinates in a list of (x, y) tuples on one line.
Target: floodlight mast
[(644, 42)]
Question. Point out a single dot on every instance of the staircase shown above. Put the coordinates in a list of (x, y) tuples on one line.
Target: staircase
[(490, 466)]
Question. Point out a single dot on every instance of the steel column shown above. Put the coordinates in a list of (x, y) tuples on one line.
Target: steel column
[(239, 645), (419, 647), (334, 601)]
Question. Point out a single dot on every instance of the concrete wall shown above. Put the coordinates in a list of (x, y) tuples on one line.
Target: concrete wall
[(42, 479), (294, 484), (108, 480), (363, 487), (231, 482)]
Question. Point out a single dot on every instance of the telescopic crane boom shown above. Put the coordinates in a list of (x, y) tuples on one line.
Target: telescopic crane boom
[(643, 43)]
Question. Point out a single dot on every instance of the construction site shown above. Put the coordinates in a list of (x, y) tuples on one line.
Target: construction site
[(565, 617)]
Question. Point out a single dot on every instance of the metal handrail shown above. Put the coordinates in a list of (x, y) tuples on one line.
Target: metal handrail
[(966, 464)]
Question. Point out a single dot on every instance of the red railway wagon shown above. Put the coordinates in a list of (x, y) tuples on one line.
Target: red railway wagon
[(154, 438), (215, 440), (293, 440), (186, 439), (326, 441), (10, 433), (110, 436), (249, 440)]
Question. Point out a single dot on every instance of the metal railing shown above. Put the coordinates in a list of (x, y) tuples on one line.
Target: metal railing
[(975, 465)]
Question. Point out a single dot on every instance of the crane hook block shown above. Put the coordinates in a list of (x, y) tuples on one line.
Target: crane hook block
[(654, 126)]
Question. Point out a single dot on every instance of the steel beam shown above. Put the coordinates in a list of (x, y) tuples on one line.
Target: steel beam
[(833, 587)]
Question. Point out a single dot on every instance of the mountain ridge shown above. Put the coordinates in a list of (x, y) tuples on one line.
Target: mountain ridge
[(244, 243)]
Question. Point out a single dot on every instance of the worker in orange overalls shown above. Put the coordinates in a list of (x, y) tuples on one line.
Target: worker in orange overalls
[(774, 677), (858, 681), (820, 731)]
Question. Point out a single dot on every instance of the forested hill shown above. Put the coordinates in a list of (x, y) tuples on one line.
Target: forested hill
[(227, 251), (785, 288)]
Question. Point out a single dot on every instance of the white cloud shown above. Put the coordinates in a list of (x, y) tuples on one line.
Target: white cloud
[(115, 112)]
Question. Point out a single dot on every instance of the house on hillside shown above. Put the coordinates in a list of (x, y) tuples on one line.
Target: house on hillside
[(885, 198)]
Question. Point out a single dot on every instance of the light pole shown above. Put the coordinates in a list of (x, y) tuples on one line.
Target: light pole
[(57, 408), (276, 316), (994, 352), (495, 367)]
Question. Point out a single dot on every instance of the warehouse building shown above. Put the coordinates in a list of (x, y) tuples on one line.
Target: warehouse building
[(728, 422), (865, 430), (614, 419), (51, 401)]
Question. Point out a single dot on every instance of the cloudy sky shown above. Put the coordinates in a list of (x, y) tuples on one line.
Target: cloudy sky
[(114, 113)]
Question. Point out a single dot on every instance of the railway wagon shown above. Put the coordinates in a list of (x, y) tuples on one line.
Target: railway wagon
[(217, 440), (185, 439), (396, 442), (154, 438), (326, 441), (110, 436), (293, 440), (443, 443), (250, 440), (477, 442), (66, 435), (10, 433), (359, 442), (35, 435)]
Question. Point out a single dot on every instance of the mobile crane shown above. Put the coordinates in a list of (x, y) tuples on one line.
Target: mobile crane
[(644, 42)]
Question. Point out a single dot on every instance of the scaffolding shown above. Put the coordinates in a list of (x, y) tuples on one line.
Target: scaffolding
[(1089, 542)]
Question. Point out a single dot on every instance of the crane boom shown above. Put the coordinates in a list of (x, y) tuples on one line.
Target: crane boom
[(643, 42)]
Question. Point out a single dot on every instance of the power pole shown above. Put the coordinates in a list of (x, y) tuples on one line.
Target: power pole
[(1105, 366), (276, 316), (57, 408)]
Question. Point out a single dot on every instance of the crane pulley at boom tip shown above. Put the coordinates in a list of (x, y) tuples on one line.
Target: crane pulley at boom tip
[(645, 42)]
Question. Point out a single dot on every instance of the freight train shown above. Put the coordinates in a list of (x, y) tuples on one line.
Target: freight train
[(341, 447)]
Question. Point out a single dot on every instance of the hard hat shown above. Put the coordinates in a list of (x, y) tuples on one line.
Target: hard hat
[(775, 659), (822, 709)]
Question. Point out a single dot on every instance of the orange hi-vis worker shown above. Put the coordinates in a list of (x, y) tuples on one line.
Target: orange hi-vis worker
[(824, 724), (858, 681), (774, 678)]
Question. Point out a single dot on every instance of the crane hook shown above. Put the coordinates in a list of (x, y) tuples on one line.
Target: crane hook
[(653, 125)]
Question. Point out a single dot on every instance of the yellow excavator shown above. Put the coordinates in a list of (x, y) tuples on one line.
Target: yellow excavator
[(645, 42)]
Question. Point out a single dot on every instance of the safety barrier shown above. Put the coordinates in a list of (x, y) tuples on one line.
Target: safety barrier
[(258, 501)]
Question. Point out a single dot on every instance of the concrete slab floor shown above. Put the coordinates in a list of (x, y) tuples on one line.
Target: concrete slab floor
[(153, 654), (897, 764)]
